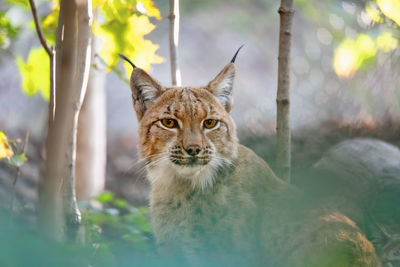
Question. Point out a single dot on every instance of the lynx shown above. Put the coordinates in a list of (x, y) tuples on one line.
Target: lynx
[(214, 202)]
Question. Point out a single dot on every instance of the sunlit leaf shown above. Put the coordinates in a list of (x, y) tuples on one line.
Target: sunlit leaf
[(391, 9), (119, 10), (128, 38), (386, 42), (35, 73), (366, 46), (49, 24), (148, 8), (5, 148), (373, 12), (351, 54)]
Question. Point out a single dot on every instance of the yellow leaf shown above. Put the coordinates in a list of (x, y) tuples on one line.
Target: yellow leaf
[(49, 24), (128, 38), (391, 9), (5, 149), (35, 73), (386, 42), (143, 56), (148, 7), (373, 12)]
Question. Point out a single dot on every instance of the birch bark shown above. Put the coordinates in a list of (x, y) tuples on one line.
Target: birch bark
[(59, 216)]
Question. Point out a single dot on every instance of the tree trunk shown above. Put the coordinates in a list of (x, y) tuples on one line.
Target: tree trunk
[(173, 42), (91, 146), (283, 157), (59, 216)]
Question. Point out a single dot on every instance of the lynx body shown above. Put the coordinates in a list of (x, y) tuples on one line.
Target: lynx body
[(214, 202)]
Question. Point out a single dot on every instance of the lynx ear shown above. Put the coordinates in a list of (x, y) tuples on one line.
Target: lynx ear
[(145, 91), (222, 85)]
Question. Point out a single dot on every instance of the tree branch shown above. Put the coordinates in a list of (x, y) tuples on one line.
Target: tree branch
[(283, 157), (173, 42), (39, 29)]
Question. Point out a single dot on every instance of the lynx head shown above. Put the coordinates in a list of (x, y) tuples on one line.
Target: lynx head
[(185, 132)]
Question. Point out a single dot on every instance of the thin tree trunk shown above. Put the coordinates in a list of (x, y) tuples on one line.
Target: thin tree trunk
[(59, 216), (173, 42), (91, 146), (283, 157)]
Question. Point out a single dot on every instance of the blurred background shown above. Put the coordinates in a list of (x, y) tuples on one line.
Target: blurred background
[(344, 79)]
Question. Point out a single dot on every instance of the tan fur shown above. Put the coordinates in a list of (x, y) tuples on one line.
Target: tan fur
[(225, 206)]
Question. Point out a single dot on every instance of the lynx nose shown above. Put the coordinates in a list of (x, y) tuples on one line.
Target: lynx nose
[(193, 150)]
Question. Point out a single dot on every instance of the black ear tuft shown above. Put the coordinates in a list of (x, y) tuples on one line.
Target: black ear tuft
[(237, 52), (127, 59)]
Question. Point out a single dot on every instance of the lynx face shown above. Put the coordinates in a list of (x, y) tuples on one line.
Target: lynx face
[(185, 132)]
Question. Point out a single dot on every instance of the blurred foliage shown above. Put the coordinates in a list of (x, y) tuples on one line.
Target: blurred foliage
[(115, 220), (9, 151), (353, 54), (113, 233), (6, 29), (120, 24), (98, 250)]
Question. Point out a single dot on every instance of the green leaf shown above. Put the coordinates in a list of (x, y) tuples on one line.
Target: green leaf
[(7, 30), (49, 24), (35, 73), (17, 160), (105, 197), (118, 9), (120, 203)]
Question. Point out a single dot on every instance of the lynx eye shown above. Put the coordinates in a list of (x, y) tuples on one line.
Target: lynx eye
[(169, 123), (210, 123)]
